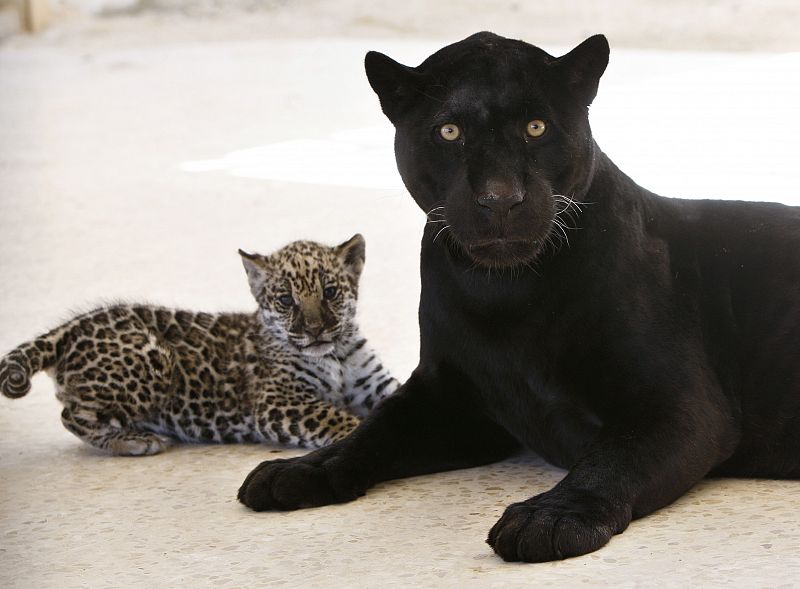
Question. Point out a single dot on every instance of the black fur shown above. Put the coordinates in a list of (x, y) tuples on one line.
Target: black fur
[(660, 345)]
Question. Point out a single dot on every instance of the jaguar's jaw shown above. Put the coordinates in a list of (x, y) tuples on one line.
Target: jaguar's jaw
[(496, 247), (503, 252)]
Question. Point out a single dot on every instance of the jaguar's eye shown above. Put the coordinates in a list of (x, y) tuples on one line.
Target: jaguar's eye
[(449, 132), (536, 128), (286, 300), (329, 292)]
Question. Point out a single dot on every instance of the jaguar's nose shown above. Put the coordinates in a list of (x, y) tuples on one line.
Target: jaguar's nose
[(500, 197), (499, 203)]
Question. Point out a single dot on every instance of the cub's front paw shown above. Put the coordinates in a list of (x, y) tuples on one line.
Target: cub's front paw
[(307, 481), (556, 525)]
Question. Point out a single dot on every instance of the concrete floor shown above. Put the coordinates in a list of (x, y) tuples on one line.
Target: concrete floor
[(135, 171)]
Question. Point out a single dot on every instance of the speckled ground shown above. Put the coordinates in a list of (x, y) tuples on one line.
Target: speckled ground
[(74, 518), (96, 204)]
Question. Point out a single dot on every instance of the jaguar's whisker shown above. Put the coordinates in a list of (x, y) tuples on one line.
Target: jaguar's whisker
[(440, 232)]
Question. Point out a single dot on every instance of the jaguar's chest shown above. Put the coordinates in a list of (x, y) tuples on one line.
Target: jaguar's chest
[(517, 364), (522, 392)]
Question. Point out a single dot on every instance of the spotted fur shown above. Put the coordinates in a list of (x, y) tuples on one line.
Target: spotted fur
[(134, 378)]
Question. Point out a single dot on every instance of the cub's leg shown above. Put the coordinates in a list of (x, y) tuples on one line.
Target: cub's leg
[(113, 389), (302, 420), (110, 433)]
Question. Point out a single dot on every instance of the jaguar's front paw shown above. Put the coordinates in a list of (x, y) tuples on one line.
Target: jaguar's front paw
[(554, 526), (299, 482)]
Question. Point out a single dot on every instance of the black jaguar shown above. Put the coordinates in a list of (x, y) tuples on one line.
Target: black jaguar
[(641, 342)]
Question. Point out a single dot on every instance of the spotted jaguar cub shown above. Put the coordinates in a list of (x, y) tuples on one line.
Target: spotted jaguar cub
[(297, 371)]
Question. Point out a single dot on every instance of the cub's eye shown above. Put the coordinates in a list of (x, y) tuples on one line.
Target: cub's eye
[(536, 128), (286, 300), (449, 132), (329, 292)]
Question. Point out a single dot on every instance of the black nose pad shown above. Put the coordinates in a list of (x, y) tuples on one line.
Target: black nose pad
[(499, 203)]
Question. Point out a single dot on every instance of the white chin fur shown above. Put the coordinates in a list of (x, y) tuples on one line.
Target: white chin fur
[(318, 350)]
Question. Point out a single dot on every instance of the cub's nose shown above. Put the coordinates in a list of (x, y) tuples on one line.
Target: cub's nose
[(314, 329)]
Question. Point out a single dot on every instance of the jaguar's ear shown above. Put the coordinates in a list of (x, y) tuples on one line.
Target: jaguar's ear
[(352, 252), (256, 269), (582, 67), (393, 82)]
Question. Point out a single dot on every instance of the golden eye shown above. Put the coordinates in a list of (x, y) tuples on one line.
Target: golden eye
[(449, 132), (536, 128)]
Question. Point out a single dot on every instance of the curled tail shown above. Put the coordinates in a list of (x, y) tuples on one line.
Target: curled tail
[(21, 363)]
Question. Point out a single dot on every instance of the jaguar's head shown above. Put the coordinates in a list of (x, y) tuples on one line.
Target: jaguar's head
[(493, 140), (307, 292)]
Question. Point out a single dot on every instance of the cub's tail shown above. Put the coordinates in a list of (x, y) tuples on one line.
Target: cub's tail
[(20, 364)]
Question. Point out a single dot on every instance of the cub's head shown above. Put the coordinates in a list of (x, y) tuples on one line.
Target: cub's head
[(493, 140), (307, 292)]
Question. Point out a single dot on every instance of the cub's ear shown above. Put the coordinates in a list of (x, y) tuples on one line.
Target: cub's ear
[(393, 82), (352, 252), (255, 266), (582, 67)]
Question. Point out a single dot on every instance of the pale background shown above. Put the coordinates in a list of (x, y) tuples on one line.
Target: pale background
[(142, 143)]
